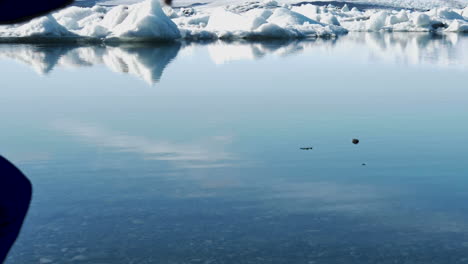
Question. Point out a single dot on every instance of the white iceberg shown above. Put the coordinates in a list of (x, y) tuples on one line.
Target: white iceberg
[(150, 21), (46, 26)]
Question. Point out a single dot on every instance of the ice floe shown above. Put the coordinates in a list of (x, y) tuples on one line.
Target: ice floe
[(151, 21)]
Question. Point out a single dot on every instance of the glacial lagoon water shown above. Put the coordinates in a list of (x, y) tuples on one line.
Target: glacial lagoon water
[(190, 153)]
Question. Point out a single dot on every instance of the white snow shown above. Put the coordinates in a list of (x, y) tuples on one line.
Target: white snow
[(149, 20), (145, 20), (46, 26)]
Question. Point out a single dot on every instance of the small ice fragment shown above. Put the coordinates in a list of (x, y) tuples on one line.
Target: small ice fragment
[(458, 26), (345, 8), (448, 14), (422, 20), (330, 19), (465, 12), (377, 21)]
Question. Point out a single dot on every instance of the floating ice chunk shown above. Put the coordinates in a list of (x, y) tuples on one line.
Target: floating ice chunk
[(398, 18), (99, 9), (465, 12), (308, 10), (447, 13), (270, 3), (422, 20), (284, 17), (70, 17), (197, 34), (196, 20), (146, 21), (45, 26), (330, 19), (170, 12), (273, 31), (458, 26), (345, 8), (224, 21), (392, 20), (263, 13), (268, 23), (115, 16), (402, 16), (95, 31), (109, 20), (265, 19), (377, 21)]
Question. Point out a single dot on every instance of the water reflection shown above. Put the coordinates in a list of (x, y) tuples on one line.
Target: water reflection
[(225, 52), (207, 153), (209, 167), (399, 48), (415, 49), (143, 61), (149, 62)]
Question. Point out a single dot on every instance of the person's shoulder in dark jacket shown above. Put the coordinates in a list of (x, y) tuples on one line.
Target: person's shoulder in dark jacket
[(15, 196), (16, 11)]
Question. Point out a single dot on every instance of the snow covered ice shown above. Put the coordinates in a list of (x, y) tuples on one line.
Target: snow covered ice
[(151, 21)]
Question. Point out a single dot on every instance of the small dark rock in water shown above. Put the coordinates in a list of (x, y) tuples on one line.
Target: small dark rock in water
[(363, 164), (355, 141), (308, 148)]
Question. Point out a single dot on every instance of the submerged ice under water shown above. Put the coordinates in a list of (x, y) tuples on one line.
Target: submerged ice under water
[(148, 20), (206, 166)]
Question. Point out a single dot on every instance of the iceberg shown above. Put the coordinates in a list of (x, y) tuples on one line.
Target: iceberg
[(150, 20)]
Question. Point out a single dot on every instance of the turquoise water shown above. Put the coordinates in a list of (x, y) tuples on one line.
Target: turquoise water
[(190, 153)]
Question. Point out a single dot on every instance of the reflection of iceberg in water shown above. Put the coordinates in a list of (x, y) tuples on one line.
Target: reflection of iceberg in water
[(224, 52), (399, 48), (143, 61), (415, 49), (148, 62), (42, 58)]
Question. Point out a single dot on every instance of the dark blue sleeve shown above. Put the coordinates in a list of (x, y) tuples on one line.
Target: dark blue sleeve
[(15, 196), (15, 11)]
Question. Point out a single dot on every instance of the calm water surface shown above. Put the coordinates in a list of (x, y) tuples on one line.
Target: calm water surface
[(190, 153)]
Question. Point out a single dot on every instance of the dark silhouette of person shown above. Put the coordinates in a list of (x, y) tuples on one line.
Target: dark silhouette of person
[(16, 11), (15, 196)]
